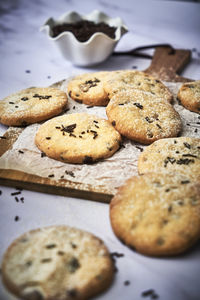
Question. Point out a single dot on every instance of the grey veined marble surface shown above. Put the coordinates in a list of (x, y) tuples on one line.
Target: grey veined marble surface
[(27, 58)]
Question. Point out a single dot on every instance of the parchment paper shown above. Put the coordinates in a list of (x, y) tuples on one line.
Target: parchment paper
[(108, 174)]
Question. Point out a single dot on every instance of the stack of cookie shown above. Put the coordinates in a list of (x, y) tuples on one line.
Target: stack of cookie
[(156, 213)]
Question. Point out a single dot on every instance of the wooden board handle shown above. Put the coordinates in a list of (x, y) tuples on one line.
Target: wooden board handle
[(167, 64)]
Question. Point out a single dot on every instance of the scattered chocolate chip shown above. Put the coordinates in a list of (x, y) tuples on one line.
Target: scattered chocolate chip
[(90, 106), (73, 265), (15, 193), (11, 102), (70, 173), (16, 218), (50, 246), (185, 181), (22, 199), (69, 128), (34, 295), (170, 208), (74, 246), (148, 120), (184, 161), (20, 151), (79, 101), (51, 175), (60, 253), (134, 67), (139, 148), (72, 293), (28, 71), (88, 160), (113, 123), (46, 260), (187, 145), (24, 98), (43, 154), (28, 263), (126, 282), (138, 105), (116, 254), (3, 137), (147, 293)]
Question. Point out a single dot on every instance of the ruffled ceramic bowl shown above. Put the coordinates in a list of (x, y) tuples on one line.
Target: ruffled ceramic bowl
[(95, 50)]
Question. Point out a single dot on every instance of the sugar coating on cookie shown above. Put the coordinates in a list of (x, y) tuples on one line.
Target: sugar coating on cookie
[(57, 262), (189, 95), (88, 89), (180, 155), (78, 138), (157, 215), (142, 117), (125, 79), (32, 105)]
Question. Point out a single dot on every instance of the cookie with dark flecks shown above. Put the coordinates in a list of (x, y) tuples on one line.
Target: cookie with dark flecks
[(78, 138), (57, 262), (180, 155), (32, 105), (142, 117), (189, 95), (88, 89), (122, 80), (157, 215)]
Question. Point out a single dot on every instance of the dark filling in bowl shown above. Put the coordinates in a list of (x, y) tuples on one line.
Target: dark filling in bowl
[(83, 30)]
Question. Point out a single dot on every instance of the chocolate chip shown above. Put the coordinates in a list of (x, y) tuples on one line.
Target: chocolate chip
[(34, 295), (50, 246), (73, 265), (88, 160), (72, 293), (113, 123)]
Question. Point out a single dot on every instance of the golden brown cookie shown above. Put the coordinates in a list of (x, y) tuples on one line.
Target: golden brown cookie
[(32, 105), (78, 138), (124, 79), (142, 117), (189, 95), (88, 88), (180, 155), (57, 262), (158, 215)]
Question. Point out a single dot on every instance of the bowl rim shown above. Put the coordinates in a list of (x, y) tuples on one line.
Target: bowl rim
[(50, 22)]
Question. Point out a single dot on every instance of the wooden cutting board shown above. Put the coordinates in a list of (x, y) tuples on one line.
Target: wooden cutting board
[(165, 66)]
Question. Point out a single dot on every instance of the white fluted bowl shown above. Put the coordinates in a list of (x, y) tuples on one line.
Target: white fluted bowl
[(97, 49)]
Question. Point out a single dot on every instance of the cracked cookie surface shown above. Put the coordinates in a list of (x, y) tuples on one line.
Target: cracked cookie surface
[(57, 262), (189, 95), (78, 138), (157, 215), (88, 89), (32, 105), (180, 155), (142, 117)]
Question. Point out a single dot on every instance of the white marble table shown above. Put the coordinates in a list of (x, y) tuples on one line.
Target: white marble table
[(28, 59)]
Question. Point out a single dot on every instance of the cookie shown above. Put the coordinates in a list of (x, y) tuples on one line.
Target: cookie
[(157, 215), (142, 117), (180, 155), (125, 79), (189, 95), (78, 138), (57, 262), (88, 89), (32, 105)]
